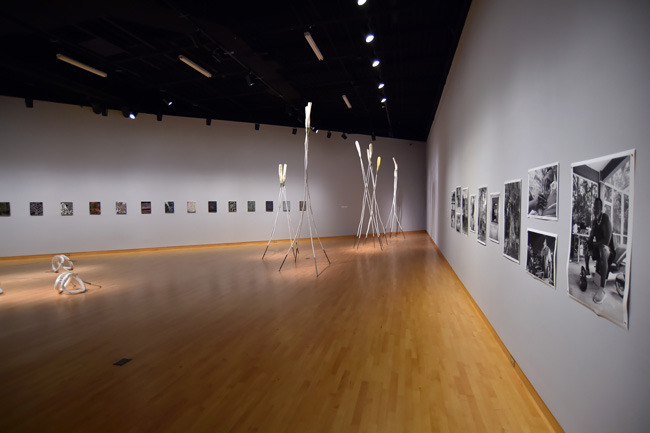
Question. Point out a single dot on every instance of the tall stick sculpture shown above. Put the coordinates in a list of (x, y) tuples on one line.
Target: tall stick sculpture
[(282, 198), (369, 201), (379, 224), (307, 199), (393, 220)]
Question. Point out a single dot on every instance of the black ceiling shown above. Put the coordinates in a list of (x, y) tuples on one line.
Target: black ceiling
[(138, 45)]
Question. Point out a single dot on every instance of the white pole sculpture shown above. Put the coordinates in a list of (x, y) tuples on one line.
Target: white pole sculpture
[(61, 261), (307, 200), (393, 220), (62, 281), (365, 201), (372, 201), (282, 198)]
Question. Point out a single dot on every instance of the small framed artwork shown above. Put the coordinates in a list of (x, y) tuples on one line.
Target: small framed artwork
[(302, 205), (540, 258), (212, 207), (251, 206), (191, 207), (36, 208), (67, 208), (95, 207), (286, 206), (169, 207), (5, 208), (269, 206), (472, 213), (232, 206), (120, 208), (493, 232), (145, 207)]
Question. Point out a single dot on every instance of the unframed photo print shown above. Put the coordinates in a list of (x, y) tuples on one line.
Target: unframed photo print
[(465, 219), (482, 221), (472, 213), (512, 219), (543, 189), (493, 232), (540, 257)]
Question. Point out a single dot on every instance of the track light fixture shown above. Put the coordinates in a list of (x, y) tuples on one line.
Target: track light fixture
[(168, 102), (375, 63), (80, 65), (249, 79), (159, 117), (97, 109), (208, 121), (194, 66), (344, 135), (313, 46), (128, 113), (329, 134), (257, 126), (383, 99), (370, 37), (381, 86), (373, 137), (361, 2), (347, 101), (294, 131), (29, 103)]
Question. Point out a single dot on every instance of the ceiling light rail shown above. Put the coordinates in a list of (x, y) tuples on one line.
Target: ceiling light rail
[(80, 65)]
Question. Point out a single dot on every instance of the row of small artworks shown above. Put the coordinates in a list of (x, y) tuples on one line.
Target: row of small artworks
[(95, 207)]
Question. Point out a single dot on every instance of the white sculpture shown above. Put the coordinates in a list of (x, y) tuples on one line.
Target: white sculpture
[(282, 198), (307, 200), (62, 281), (61, 261), (393, 220), (369, 200)]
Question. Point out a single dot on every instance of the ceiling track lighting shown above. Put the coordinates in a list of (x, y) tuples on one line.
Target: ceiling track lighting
[(383, 99), (29, 103), (375, 63), (347, 101), (249, 79), (381, 86), (257, 126), (370, 38), (128, 113), (80, 65), (294, 131), (194, 66), (373, 137), (159, 117), (329, 134), (313, 46), (208, 121), (361, 2)]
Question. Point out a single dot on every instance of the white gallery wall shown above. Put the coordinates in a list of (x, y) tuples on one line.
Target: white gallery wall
[(55, 153), (533, 83)]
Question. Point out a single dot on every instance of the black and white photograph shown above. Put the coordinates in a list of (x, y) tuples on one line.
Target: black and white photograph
[(601, 235), (459, 209), (493, 229), (169, 207), (251, 206), (481, 221), (5, 208), (472, 213), (212, 206), (540, 259), (464, 204), (269, 206), (302, 206), (67, 208), (120, 208), (36, 208), (512, 220), (286, 206), (232, 206), (543, 191), (453, 209)]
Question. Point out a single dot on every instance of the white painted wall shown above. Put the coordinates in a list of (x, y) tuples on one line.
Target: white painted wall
[(54, 153), (535, 82)]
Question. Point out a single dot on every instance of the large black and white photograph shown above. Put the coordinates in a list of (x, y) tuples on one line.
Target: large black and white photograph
[(472, 213), (482, 215), (493, 229), (543, 191), (465, 219), (512, 219), (459, 209), (453, 209), (540, 259), (601, 235)]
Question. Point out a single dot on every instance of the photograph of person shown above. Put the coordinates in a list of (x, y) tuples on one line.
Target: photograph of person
[(472, 213), (453, 209), (465, 219), (601, 235), (493, 234), (540, 258), (459, 209), (542, 192), (482, 215), (512, 219)]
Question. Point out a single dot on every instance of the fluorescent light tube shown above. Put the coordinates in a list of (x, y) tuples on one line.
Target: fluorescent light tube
[(313, 46), (347, 102), (194, 66), (81, 65)]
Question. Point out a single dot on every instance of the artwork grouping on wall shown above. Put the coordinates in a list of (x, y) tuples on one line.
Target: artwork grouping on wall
[(95, 208), (512, 219), (36, 208)]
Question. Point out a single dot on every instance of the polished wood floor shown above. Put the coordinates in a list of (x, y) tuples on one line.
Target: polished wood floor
[(220, 341)]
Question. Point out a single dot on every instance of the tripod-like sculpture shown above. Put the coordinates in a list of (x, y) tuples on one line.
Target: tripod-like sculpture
[(369, 200), (282, 198), (393, 220), (307, 199)]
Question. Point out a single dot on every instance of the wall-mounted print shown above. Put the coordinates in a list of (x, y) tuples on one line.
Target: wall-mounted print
[(493, 228), (95, 207), (459, 209), (542, 191), (212, 207), (512, 220), (286, 206), (464, 204), (540, 258), (67, 208), (36, 208), (269, 206), (120, 208), (302, 206), (145, 207), (472, 213), (482, 221), (601, 235), (191, 207), (232, 206), (169, 207), (453, 209), (251, 206), (5, 208)]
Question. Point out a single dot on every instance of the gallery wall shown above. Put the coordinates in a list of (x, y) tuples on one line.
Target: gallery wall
[(55, 153), (534, 83)]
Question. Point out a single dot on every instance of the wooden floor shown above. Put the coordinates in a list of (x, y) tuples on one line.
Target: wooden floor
[(220, 341)]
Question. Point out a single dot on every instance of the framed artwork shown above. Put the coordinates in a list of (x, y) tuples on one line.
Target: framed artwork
[(232, 206), (95, 208), (120, 208), (36, 208), (493, 230), (145, 207), (191, 207), (302, 205), (269, 206), (540, 257), (464, 204), (169, 207), (251, 206), (482, 221), (453, 209), (212, 207), (5, 208), (459, 209), (472, 213), (512, 220), (286, 206), (600, 251), (543, 191), (67, 208)]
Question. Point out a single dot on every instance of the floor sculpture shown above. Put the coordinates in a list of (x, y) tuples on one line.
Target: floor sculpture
[(282, 198), (393, 220)]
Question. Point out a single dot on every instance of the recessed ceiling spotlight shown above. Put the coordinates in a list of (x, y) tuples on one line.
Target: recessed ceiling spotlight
[(381, 86), (132, 115), (361, 2), (383, 99), (370, 37), (375, 63)]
